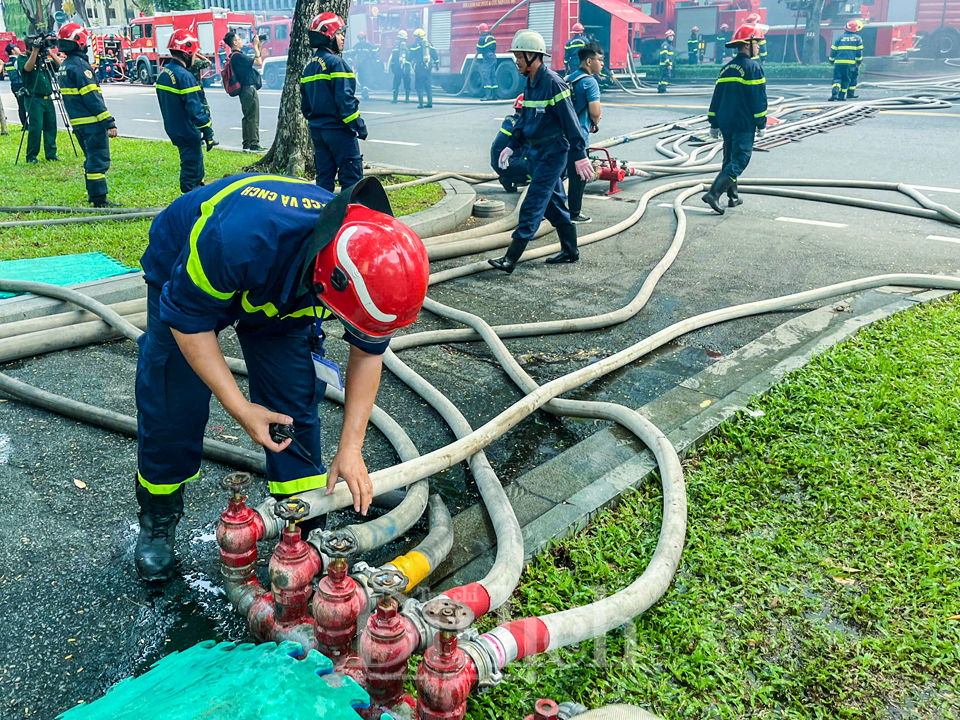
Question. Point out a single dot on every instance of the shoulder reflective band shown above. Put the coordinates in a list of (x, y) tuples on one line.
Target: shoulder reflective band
[(194, 266), (761, 81), (546, 103), (179, 91), (327, 76)]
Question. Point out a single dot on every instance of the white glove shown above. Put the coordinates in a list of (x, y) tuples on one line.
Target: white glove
[(715, 133), (504, 161), (584, 169), (761, 132)]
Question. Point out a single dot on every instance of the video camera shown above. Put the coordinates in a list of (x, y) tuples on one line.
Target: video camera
[(41, 41), (263, 38)]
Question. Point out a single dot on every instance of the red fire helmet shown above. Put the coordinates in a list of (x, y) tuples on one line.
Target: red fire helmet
[(753, 18), (327, 24), (184, 41), (483, 27), (518, 105), (694, 29), (724, 26), (669, 33), (75, 33), (854, 26), (374, 274), (361, 34), (577, 28), (746, 33)]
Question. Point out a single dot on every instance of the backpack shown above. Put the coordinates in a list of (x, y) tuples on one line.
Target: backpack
[(230, 83), (579, 95)]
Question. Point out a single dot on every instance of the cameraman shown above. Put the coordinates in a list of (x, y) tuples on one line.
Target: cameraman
[(16, 82), (41, 115)]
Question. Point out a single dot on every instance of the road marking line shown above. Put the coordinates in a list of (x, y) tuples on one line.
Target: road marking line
[(650, 105), (936, 189), (236, 129), (371, 112), (811, 222), (944, 239), (687, 208), (913, 112), (270, 107), (145, 120), (394, 142)]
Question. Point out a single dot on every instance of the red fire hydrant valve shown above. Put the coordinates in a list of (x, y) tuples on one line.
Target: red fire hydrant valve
[(338, 602), (446, 675), (385, 647), (240, 527), (544, 710)]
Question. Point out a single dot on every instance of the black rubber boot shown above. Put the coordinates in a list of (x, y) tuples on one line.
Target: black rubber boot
[(509, 261), (712, 197), (842, 96), (733, 196), (508, 186), (429, 96), (159, 515), (851, 95), (568, 246), (101, 201), (395, 93)]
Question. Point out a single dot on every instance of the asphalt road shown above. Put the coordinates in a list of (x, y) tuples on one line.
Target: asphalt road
[(74, 619)]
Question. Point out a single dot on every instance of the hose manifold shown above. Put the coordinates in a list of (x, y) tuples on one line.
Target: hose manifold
[(484, 659)]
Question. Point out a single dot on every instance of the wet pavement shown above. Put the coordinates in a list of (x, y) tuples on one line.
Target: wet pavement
[(75, 619)]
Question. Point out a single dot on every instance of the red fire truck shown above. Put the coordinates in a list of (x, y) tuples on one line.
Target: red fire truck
[(937, 23), (452, 30), (149, 36), (5, 39)]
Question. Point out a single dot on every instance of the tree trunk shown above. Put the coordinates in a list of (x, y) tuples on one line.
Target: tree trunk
[(811, 36), (35, 16), (292, 149)]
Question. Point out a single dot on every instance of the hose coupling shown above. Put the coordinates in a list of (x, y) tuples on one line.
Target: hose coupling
[(483, 654), (413, 611)]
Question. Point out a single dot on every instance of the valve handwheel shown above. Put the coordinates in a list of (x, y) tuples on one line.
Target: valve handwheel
[(236, 482), (449, 615), (337, 544), (291, 509), (388, 582)]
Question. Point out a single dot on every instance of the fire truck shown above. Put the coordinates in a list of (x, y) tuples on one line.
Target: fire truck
[(452, 30), (149, 36), (5, 39)]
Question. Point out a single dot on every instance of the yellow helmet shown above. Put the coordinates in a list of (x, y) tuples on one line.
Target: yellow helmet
[(420, 32)]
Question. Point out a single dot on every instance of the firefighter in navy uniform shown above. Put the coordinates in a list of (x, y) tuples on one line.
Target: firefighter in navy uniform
[(425, 58), (855, 73), (518, 171), (571, 51), (400, 67), (666, 61), (720, 43), (487, 50), (738, 111), (693, 45), (328, 101), (184, 119), (16, 82), (89, 117), (365, 58), (846, 54), (272, 256), (549, 125), (754, 19)]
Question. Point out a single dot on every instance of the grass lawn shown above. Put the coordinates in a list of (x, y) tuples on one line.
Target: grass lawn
[(143, 173), (821, 574)]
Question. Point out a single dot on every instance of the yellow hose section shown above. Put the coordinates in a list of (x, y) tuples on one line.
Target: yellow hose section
[(414, 565)]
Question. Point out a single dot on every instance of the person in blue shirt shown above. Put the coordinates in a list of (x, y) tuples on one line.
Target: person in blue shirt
[(549, 125), (328, 100), (571, 57), (273, 257), (517, 171), (846, 54), (184, 119), (586, 104), (738, 111), (487, 50)]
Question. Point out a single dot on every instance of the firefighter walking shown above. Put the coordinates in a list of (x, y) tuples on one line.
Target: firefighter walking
[(855, 73), (272, 256), (694, 44), (846, 54), (738, 112), (400, 67), (425, 58), (184, 119), (329, 102), (487, 50), (666, 62), (549, 126), (91, 121)]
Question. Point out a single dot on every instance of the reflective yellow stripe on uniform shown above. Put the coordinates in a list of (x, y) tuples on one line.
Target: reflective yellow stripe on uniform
[(96, 176), (179, 91), (201, 127), (270, 310), (166, 488), (351, 118), (760, 114), (761, 81), (92, 87), (546, 103), (506, 132), (326, 76), (311, 482), (89, 119), (194, 266), (486, 44)]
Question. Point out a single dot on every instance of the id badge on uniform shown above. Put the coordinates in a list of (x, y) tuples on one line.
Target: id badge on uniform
[(327, 371)]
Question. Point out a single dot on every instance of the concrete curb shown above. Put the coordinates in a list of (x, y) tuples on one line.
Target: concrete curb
[(447, 214), (562, 496)]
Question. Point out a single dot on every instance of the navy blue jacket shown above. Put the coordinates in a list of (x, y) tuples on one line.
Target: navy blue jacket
[(424, 56), (740, 97), (548, 116), (178, 92), (81, 94), (571, 51), (503, 140), (666, 53), (328, 90), (11, 71), (235, 250), (847, 50), (487, 46)]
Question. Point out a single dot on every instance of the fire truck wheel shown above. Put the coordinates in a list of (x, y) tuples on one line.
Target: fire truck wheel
[(944, 42), (474, 84), (508, 80), (144, 75)]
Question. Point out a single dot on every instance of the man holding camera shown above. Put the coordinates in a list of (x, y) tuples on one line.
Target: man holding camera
[(246, 73), (91, 121), (38, 96)]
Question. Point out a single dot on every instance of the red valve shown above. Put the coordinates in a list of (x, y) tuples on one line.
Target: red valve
[(386, 645)]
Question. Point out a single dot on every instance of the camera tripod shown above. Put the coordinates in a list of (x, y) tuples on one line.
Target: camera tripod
[(57, 97)]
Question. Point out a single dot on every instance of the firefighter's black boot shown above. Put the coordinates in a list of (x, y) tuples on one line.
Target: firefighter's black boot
[(100, 201), (568, 246), (159, 515), (835, 95), (733, 195), (509, 261), (712, 197), (842, 95), (430, 96), (851, 94), (395, 93)]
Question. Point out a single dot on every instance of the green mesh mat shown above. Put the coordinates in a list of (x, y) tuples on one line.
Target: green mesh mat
[(226, 681), (63, 270)]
